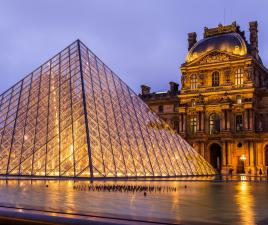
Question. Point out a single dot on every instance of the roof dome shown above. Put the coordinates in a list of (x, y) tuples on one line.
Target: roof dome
[(231, 43)]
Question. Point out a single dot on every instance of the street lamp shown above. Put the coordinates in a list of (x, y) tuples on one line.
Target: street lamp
[(243, 158)]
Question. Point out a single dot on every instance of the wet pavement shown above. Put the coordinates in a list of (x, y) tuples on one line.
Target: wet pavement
[(177, 201)]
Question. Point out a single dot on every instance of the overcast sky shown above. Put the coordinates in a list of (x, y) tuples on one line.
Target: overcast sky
[(143, 41)]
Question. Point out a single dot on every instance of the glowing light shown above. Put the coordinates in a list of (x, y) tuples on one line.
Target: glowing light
[(243, 178), (243, 157)]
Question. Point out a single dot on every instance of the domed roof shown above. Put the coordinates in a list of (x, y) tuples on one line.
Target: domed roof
[(231, 43)]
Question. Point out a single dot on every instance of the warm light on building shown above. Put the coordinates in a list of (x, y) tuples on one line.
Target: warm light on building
[(221, 108)]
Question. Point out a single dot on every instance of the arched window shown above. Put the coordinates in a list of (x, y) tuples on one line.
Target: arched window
[(215, 79), (214, 123), (193, 125), (193, 81), (239, 75)]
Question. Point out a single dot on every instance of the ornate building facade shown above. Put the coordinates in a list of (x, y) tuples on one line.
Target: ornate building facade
[(222, 106)]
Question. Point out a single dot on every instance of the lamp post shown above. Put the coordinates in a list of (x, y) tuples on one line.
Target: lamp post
[(243, 159)]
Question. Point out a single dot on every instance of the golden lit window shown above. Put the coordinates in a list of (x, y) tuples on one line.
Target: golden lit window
[(193, 125), (215, 79), (239, 74), (214, 123), (193, 81)]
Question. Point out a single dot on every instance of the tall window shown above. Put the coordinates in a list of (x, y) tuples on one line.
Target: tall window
[(193, 125), (176, 107), (215, 79), (239, 122), (176, 125), (239, 75), (160, 109), (214, 123), (193, 81)]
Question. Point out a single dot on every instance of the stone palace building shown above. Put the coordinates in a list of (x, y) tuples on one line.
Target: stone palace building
[(222, 106)]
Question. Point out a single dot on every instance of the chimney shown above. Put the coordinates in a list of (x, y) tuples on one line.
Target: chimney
[(253, 29), (191, 40), (174, 87), (145, 90)]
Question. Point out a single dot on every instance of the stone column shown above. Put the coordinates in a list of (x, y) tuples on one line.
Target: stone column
[(228, 115), (245, 116), (202, 121), (227, 153), (184, 122), (225, 113), (248, 161), (224, 154), (251, 155), (251, 119), (255, 154), (181, 123), (198, 121), (259, 154), (223, 120), (230, 162)]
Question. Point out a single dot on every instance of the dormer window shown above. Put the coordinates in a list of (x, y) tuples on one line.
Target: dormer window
[(237, 49), (215, 79), (239, 75), (193, 81)]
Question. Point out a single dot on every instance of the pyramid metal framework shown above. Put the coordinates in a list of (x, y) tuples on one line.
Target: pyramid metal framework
[(73, 117)]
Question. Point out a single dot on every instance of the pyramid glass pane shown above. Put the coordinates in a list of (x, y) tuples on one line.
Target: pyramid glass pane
[(74, 117)]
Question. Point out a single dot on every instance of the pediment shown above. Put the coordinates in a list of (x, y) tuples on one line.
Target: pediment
[(214, 57)]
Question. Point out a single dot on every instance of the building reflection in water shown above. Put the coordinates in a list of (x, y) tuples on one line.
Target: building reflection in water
[(246, 203)]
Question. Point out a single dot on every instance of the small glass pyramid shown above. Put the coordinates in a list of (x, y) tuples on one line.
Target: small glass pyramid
[(73, 117)]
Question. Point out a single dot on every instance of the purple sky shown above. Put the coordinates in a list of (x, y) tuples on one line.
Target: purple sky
[(143, 41)]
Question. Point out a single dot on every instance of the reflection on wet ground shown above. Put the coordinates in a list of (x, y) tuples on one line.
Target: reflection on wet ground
[(183, 201)]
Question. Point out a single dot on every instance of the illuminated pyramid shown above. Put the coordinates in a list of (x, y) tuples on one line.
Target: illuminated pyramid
[(73, 117)]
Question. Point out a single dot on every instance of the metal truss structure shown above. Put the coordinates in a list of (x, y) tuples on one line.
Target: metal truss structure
[(73, 117)]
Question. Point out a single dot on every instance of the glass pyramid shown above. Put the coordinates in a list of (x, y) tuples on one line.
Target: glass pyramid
[(73, 117)]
